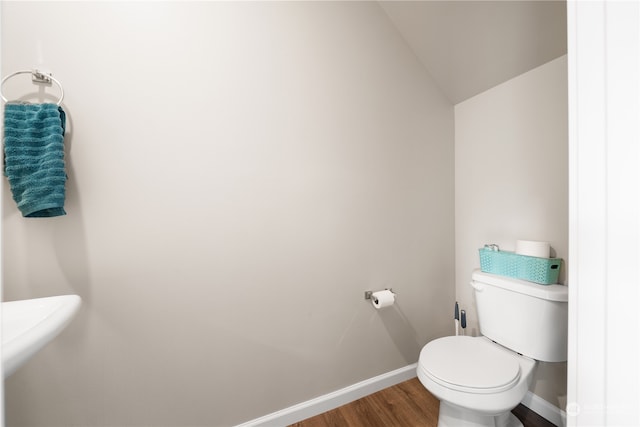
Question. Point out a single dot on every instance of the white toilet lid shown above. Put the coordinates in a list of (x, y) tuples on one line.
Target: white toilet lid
[(469, 363)]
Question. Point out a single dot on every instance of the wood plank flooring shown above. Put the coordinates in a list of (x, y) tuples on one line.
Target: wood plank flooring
[(407, 404)]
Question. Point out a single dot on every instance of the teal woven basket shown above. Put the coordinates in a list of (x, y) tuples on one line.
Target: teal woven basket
[(543, 271)]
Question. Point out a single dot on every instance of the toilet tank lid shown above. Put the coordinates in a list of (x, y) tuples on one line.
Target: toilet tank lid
[(548, 292)]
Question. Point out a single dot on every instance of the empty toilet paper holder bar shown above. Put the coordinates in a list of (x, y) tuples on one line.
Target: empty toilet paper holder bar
[(367, 294)]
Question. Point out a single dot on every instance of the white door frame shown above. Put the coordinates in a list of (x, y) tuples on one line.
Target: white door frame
[(604, 118)]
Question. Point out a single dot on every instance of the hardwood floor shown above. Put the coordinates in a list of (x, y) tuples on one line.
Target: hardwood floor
[(407, 404)]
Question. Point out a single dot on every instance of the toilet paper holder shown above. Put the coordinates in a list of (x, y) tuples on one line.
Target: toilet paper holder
[(367, 294)]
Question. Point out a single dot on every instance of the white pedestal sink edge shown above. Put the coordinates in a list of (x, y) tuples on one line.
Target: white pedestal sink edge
[(29, 325)]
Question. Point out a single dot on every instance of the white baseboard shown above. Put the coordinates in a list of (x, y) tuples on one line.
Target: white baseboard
[(327, 402), (545, 409)]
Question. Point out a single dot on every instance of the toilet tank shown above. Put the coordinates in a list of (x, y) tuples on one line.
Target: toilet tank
[(528, 318)]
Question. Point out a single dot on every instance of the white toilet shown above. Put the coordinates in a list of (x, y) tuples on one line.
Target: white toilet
[(479, 380)]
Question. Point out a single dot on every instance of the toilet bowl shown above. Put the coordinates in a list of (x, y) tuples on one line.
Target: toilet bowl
[(477, 381)]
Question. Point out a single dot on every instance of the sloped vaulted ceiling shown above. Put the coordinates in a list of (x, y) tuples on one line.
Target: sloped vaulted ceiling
[(471, 46)]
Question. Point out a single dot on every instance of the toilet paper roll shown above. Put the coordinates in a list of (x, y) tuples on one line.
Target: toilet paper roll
[(382, 299), (533, 248)]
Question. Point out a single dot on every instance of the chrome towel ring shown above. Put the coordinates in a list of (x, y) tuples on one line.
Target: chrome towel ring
[(36, 77)]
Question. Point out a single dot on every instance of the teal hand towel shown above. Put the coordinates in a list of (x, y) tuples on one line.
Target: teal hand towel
[(34, 157)]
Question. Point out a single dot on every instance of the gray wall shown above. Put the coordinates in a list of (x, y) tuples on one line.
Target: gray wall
[(512, 182), (239, 174)]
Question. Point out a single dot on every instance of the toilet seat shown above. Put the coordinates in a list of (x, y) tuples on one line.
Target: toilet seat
[(473, 365)]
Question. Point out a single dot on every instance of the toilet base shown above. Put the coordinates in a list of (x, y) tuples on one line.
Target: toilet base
[(453, 416)]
